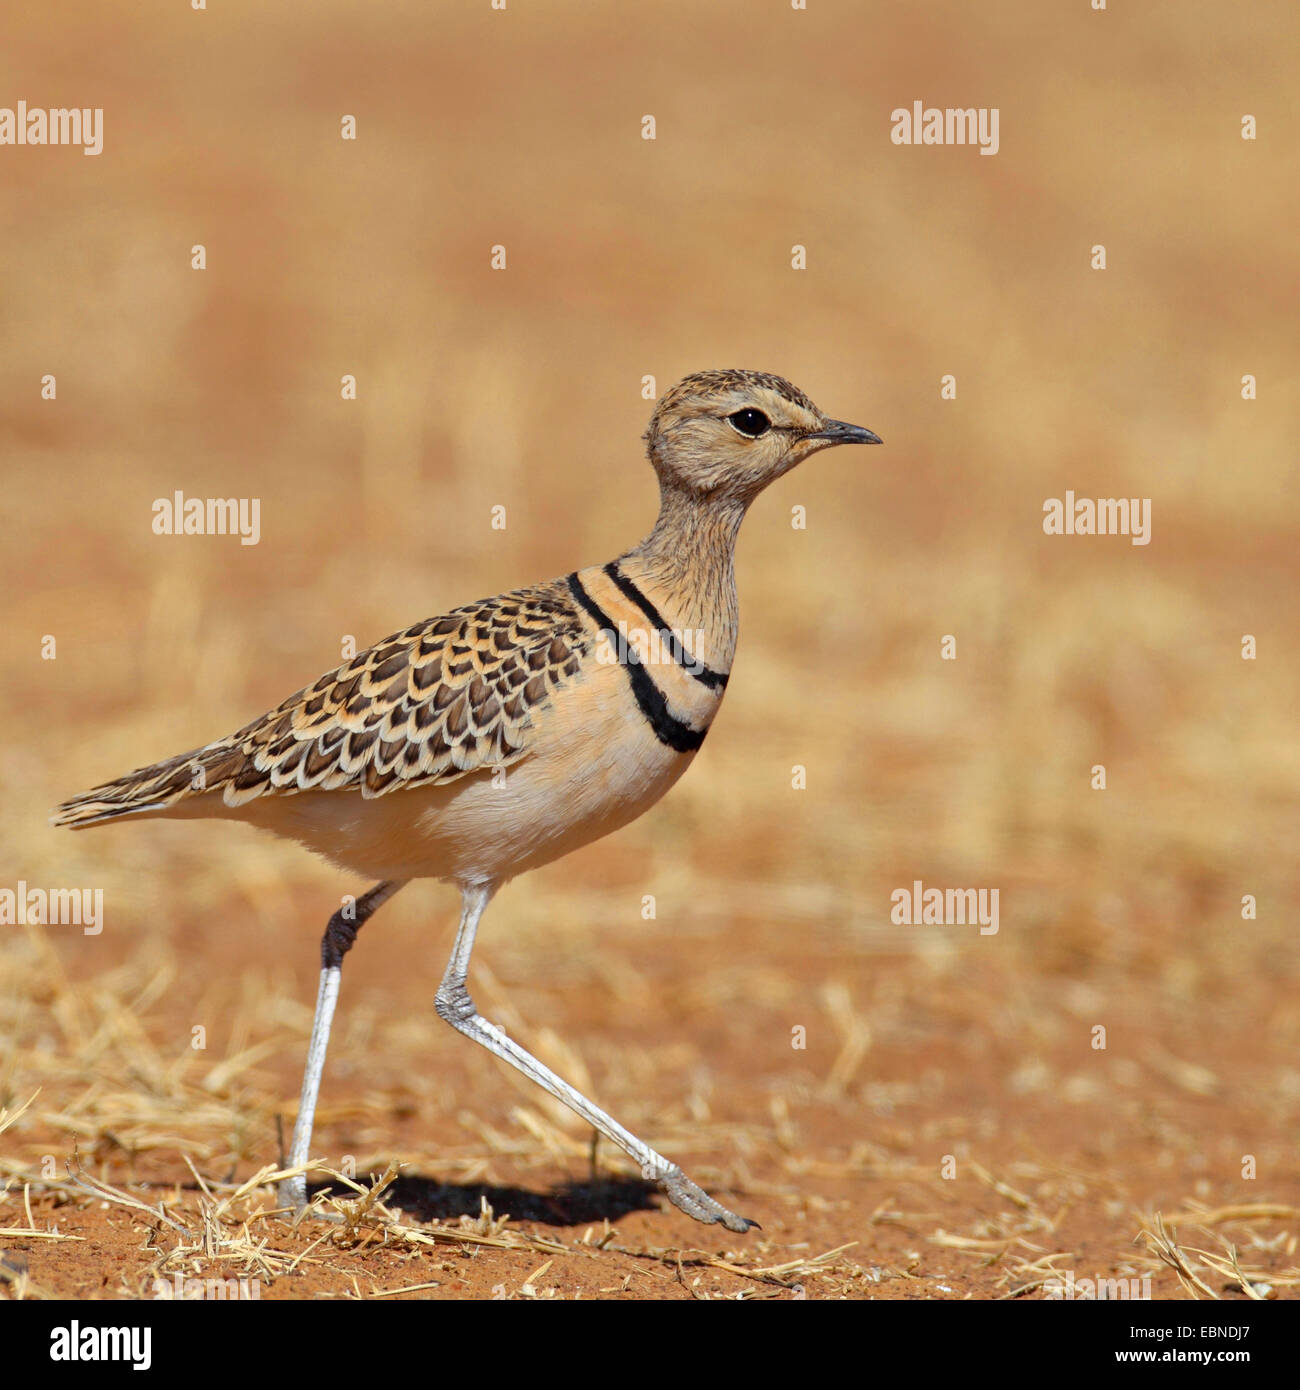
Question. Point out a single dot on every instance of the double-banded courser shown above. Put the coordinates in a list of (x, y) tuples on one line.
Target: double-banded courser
[(474, 746)]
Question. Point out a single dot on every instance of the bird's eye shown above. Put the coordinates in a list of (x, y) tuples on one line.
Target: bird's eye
[(750, 423)]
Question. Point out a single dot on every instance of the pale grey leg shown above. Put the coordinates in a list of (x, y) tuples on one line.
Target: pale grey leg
[(335, 944), (455, 1005)]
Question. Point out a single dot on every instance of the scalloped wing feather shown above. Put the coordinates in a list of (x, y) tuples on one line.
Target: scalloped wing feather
[(450, 696)]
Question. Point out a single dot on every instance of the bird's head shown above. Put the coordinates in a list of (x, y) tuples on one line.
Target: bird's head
[(726, 435)]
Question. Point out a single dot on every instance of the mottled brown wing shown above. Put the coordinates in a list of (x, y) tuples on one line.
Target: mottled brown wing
[(447, 697)]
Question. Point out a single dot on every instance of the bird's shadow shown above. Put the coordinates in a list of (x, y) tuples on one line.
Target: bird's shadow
[(570, 1204)]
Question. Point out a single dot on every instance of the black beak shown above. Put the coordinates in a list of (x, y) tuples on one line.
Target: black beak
[(838, 432)]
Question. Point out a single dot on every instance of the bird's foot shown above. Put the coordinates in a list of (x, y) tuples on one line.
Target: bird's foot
[(292, 1195), (694, 1201)]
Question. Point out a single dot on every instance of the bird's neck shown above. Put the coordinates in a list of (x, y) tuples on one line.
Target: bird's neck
[(688, 561)]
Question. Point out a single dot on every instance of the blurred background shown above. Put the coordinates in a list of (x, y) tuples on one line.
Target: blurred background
[(522, 387)]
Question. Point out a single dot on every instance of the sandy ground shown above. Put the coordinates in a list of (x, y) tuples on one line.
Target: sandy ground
[(1062, 1158)]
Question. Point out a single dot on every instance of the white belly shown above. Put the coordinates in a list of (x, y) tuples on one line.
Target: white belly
[(597, 766)]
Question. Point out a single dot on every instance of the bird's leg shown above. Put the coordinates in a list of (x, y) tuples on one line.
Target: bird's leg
[(454, 1004), (334, 945)]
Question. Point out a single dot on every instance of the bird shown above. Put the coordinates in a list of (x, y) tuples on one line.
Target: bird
[(477, 745)]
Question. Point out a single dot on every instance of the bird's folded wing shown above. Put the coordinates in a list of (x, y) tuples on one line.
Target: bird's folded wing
[(447, 697)]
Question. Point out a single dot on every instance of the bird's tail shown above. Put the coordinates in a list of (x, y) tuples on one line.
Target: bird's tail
[(146, 791)]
